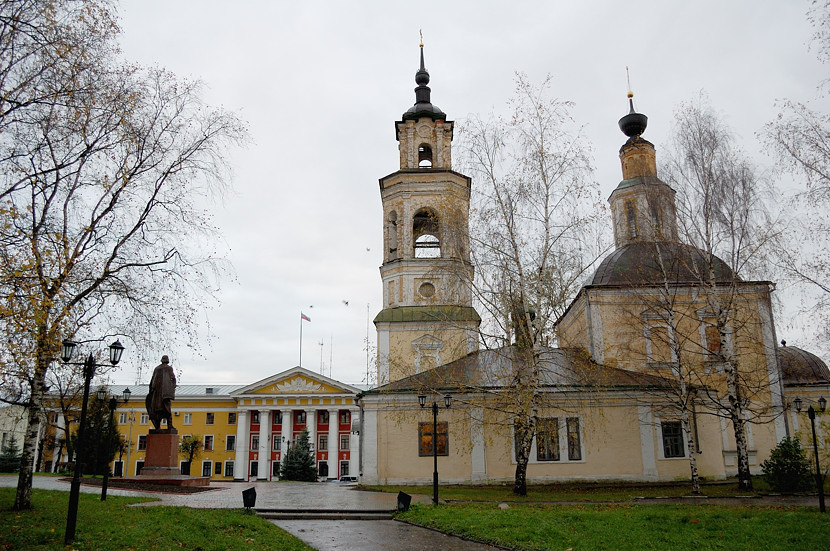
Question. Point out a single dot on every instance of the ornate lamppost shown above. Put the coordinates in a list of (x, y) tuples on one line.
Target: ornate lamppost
[(422, 400), (811, 413), (113, 404), (67, 347)]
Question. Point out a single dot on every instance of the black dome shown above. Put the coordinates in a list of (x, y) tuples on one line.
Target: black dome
[(640, 264), (799, 367)]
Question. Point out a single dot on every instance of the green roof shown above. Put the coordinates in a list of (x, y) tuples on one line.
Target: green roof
[(428, 313)]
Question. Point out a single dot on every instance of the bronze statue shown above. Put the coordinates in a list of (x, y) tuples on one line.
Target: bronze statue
[(161, 394)]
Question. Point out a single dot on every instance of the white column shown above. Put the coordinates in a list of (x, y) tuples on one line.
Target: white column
[(647, 449), (311, 427), (240, 462), (334, 444), (354, 441), (287, 429), (264, 444), (58, 432)]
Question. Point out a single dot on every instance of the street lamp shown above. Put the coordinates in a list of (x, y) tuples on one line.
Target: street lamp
[(811, 413), (67, 347), (113, 404), (422, 400)]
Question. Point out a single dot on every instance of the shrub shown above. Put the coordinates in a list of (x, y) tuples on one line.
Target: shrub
[(787, 469)]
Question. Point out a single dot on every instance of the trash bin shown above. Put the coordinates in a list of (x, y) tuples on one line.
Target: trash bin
[(249, 497), (403, 501)]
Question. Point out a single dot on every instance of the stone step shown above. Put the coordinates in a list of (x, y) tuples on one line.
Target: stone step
[(325, 514)]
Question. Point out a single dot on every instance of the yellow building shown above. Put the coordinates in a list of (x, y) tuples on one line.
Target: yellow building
[(245, 429), (608, 398)]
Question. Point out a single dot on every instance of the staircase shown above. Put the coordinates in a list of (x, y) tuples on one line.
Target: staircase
[(325, 514)]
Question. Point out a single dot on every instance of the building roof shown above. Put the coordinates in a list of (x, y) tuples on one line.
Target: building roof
[(652, 262), (493, 369), (799, 367)]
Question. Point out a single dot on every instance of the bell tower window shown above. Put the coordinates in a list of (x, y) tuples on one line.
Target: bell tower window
[(424, 156), (425, 234)]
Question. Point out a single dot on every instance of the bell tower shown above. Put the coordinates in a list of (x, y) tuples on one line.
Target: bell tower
[(427, 318)]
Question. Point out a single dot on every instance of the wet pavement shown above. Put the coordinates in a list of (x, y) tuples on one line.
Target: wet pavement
[(374, 535)]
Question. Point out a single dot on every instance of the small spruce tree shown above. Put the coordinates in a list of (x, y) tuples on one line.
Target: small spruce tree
[(787, 469), (10, 457), (298, 463)]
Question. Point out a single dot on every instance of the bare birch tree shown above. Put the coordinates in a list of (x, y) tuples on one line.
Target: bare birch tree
[(103, 167), (533, 213), (721, 211)]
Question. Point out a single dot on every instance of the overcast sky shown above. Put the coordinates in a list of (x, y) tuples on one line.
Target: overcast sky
[(322, 83)]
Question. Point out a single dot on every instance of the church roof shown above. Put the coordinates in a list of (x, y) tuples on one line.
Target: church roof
[(560, 368), (423, 106), (799, 367), (651, 262)]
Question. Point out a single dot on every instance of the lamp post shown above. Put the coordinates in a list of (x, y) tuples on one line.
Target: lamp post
[(113, 403), (422, 400), (811, 413), (67, 347)]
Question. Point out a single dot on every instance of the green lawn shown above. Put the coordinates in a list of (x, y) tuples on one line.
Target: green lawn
[(624, 526), (113, 524)]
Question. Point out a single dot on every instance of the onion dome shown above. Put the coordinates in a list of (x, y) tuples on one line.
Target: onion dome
[(633, 124), (799, 367), (423, 107)]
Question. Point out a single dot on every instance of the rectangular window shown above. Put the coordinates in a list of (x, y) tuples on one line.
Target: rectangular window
[(574, 439), (232, 418), (345, 417), (217, 469), (208, 443), (144, 419), (209, 417), (547, 440), (254, 417), (277, 443), (323, 417), (254, 469), (660, 342), (138, 466), (188, 418), (228, 468), (344, 440), (206, 468), (299, 417), (425, 439), (230, 442), (142, 442), (122, 418), (254, 442), (713, 342), (672, 439), (278, 418), (344, 468), (323, 443)]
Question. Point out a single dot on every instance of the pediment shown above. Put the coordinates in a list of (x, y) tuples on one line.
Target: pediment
[(297, 381)]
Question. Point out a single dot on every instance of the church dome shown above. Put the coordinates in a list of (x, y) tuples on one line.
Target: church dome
[(799, 367), (650, 262), (423, 106)]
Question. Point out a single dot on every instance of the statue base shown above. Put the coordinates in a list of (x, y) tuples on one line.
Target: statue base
[(161, 461)]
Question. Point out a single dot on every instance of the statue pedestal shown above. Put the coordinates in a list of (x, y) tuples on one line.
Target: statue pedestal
[(161, 461)]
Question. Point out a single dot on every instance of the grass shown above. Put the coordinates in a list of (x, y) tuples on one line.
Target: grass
[(114, 525), (625, 526), (583, 491)]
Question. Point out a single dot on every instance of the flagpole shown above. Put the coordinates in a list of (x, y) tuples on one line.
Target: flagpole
[(301, 340)]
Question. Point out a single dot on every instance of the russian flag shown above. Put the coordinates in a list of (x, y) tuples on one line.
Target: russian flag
[(304, 317)]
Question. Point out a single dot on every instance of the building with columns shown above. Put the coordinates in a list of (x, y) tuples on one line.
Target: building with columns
[(244, 429)]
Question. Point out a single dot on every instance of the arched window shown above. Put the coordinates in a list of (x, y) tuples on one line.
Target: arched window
[(424, 156), (425, 234)]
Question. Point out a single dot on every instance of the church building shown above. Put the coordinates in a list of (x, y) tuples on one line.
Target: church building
[(610, 390)]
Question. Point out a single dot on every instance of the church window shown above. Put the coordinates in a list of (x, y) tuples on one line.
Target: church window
[(574, 439), (426, 235), (631, 218), (672, 434), (424, 156), (425, 440), (655, 221), (659, 345), (713, 342), (547, 439)]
